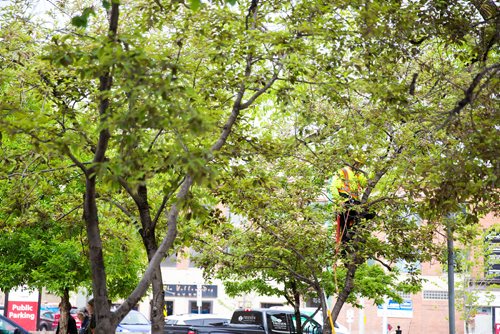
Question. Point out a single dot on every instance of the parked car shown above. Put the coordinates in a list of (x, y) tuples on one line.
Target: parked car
[(8, 326), (134, 322), (195, 319), (47, 321), (50, 307)]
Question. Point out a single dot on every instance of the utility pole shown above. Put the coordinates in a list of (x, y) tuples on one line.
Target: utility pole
[(451, 275)]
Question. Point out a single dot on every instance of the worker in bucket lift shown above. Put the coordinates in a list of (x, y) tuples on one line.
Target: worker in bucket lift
[(347, 187)]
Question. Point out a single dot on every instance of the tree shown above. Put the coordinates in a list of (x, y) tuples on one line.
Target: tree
[(391, 97), (288, 239), (43, 241), (142, 94), (128, 113)]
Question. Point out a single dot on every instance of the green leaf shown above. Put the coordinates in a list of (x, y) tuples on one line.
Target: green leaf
[(195, 4), (79, 21), (106, 4)]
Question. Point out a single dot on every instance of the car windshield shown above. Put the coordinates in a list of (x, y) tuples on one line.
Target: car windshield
[(47, 315), (135, 318)]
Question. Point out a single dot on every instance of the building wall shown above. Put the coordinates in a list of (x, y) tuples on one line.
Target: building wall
[(222, 304)]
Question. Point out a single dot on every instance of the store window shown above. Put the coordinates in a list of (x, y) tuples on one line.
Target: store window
[(206, 307), (169, 307)]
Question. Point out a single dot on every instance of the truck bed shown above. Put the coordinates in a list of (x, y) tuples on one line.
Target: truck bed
[(214, 329)]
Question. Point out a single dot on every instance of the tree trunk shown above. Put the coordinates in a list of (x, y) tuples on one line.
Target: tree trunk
[(157, 303), (327, 329), (148, 235), (64, 309), (103, 315), (352, 266), (296, 307)]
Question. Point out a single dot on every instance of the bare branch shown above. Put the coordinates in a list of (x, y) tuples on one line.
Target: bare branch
[(154, 140)]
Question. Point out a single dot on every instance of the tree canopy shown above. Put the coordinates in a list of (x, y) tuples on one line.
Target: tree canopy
[(146, 113)]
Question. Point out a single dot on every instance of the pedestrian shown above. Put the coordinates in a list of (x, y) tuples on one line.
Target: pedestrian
[(84, 319), (90, 308), (71, 321)]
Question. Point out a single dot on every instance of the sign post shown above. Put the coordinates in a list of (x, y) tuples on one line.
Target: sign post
[(199, 293)]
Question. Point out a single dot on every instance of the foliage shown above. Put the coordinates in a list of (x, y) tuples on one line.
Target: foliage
[(142, 108), (398, 86)]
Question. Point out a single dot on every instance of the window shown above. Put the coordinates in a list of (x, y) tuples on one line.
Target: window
[(192, 255), (269, 305), (169, 306), (6, 327), (435, 295), (278, 323), (405, 295), (170, 261), (493, 256), (247, 318), (313, 302), (408, 267), (309, 326), (460, 258), (206, 307)]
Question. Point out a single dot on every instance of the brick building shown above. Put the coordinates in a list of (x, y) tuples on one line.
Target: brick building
[(427, 311)]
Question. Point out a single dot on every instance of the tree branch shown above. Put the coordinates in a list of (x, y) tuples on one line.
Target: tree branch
[(165, 199), (382, 263), (469, 94)]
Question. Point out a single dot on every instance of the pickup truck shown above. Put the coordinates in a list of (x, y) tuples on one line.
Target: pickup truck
[(253, 321)]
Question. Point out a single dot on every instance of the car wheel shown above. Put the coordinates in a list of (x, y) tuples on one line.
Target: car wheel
[(43, 329)]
